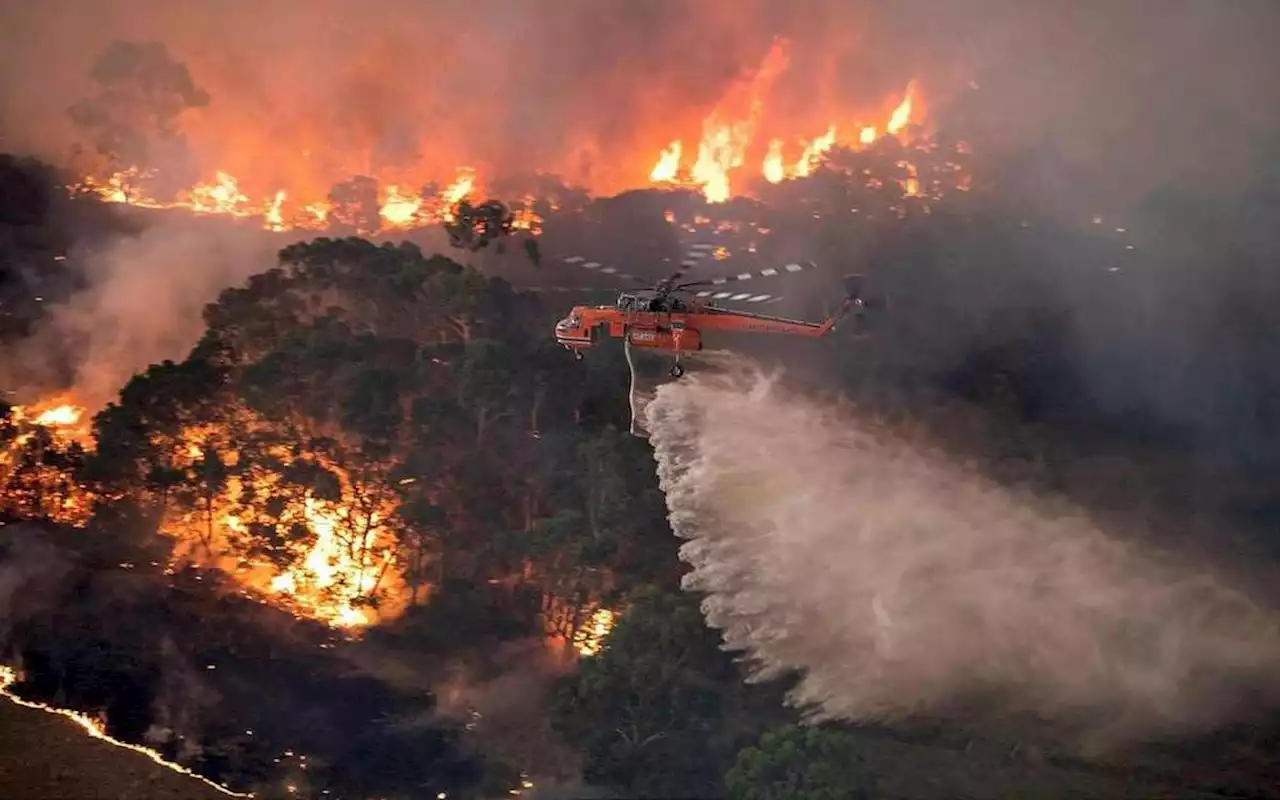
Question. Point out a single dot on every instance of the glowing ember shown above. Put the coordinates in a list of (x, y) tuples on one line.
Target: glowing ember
[(911, 186), (95, 728)]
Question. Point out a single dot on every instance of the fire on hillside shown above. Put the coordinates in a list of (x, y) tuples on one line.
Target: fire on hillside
[(337, 555), (341, 565), (739, 148)]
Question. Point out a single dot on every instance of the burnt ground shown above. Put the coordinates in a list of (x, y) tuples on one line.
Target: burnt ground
[(48, 757)]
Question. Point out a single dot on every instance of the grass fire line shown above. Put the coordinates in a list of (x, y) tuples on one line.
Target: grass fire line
[(94, 727)]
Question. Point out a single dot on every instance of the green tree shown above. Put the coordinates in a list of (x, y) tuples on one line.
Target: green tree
[(801, 763), (649, 712), (485, 385), (140, 435)]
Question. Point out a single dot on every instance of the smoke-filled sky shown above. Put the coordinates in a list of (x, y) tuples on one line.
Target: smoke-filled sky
[(1127, 91)]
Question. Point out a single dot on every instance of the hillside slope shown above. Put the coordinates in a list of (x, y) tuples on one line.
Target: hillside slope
[(44, 756)]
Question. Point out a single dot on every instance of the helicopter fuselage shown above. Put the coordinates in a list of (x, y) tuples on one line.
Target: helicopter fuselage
[(678, 331)]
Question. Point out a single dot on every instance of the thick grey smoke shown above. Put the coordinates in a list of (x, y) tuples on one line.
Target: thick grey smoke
[(31, 571), (900, 582), (142, 305)]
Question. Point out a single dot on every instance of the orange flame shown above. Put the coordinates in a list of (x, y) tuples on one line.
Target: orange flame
[(726, 140), (911, 185), (901, 116), (399, 210), (59, 416), (274, 221), (43, 490), (590, 640), (464, 186), (223, 196), (729, 131), (349, 559), (668, 164), (774, 171), (813, 153)]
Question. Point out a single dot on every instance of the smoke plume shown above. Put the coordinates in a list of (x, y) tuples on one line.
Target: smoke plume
[(142, 305), (31, 570), (303, 93), (901, 583)]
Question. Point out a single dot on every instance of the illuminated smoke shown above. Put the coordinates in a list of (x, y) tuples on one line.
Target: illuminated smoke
[(900, 582), (303, 96)]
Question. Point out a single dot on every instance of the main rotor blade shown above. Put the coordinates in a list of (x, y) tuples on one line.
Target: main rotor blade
[(603, 269), (767, 272), (579, 289), (696, 254), (743, 297)]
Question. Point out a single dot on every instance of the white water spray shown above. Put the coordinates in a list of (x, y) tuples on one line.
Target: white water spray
[(898, 582)]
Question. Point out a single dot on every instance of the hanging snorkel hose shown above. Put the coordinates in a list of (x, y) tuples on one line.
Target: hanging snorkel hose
[(632, 396)]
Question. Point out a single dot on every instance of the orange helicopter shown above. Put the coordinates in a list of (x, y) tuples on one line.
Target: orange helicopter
[(659, 319)]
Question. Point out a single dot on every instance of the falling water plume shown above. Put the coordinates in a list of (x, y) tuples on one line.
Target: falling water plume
[(895, 582)]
